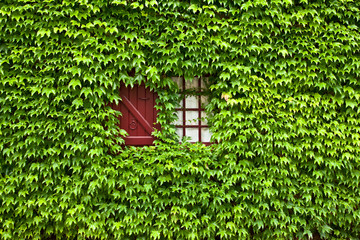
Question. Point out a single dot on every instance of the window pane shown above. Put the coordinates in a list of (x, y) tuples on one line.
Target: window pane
[(179, 132), (179, 120), (204, 118), (204, 82), (193, 133), (179, 82), (194, 84), (205, 135), (191, 102), (192, 117), (204, 100)]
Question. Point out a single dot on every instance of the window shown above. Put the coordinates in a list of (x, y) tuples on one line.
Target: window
[(139, 114), (191, 120)]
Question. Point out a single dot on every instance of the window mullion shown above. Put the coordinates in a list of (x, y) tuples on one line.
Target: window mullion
[(184, 108), (199, 109)]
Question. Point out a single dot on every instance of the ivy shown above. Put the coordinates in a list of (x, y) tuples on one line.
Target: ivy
[(284, 97)]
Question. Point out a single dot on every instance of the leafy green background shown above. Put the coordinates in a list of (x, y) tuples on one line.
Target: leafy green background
[(285, 95)]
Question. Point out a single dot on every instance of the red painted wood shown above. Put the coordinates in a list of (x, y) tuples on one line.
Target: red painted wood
[(125, 119), (138, 114), (139, 140), (142, 110)]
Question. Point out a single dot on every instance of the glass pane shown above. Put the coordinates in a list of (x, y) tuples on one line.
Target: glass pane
[(204, 118), (179, 82), (179, 132), (204, 82), (193, 133), (179, 120), (193, 84), (181, 104), (191, 102), (204, 100), (205, 135), (192, 117)]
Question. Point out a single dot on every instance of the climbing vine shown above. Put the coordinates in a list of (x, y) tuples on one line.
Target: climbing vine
[(284, 103)]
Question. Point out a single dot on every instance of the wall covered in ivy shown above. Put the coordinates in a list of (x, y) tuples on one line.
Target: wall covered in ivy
[(284, 112)]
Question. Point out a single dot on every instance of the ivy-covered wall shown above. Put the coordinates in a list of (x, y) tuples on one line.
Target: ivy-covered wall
[(285, 94)]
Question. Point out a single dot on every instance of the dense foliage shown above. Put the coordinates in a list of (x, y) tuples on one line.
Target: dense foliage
[(285, 94)]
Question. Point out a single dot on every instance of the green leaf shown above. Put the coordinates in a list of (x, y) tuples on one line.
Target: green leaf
[(73, 83), (43, 32), (119, 2), (78, 102)]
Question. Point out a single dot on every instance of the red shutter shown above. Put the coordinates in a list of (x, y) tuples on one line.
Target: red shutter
[(138, 114)]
